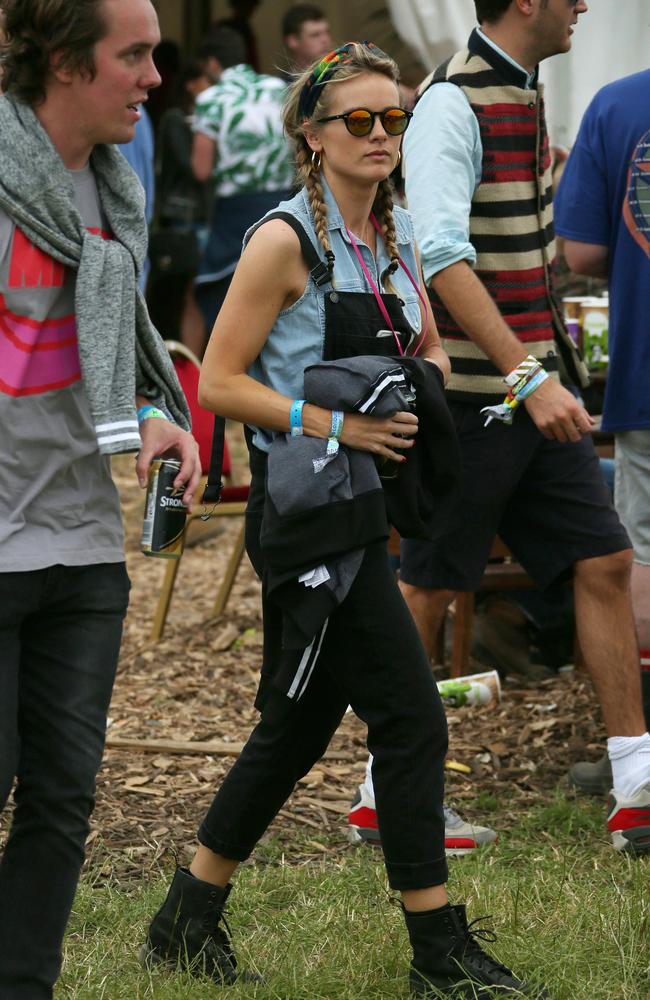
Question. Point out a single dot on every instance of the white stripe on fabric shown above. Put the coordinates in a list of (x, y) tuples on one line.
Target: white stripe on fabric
[(305, 660), (380, 389), (313, 662), (112, 438), (302, 666), (116, 426)]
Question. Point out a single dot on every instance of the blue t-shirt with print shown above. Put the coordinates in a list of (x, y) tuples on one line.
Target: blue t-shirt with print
[(604, 198)]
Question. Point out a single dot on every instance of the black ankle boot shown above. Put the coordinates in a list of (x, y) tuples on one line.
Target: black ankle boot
[(447, 957), (187, 932)]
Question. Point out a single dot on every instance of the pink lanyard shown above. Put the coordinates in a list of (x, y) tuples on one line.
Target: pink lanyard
[(380, 301)]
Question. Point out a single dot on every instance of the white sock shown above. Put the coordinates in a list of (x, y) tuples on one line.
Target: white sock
[(368, 785), (630, 759)]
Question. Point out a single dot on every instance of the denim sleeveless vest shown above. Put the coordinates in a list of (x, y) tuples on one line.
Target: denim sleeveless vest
[(298, 333)]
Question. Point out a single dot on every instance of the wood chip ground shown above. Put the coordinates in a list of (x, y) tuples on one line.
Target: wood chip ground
[(197, 686)]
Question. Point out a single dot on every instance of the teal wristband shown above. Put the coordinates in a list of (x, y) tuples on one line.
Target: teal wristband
[(532, 385), (295, 417), (148, 410)]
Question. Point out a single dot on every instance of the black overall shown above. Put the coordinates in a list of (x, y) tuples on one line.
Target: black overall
[(370, 657)]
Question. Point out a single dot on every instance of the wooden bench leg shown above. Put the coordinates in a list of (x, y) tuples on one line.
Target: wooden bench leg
[(230, 574), (462, 634), (165, 599)]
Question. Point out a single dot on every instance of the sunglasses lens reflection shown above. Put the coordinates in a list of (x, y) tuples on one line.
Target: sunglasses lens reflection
[(394, 121), (360, 122)]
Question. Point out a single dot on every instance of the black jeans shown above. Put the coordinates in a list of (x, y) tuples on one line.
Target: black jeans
[(60, 633), (372, 659)]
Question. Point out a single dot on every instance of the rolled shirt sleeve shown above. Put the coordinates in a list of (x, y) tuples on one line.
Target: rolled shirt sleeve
[(443, 157)]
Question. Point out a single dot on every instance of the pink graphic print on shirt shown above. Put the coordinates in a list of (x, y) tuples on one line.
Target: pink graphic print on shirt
[(36, 356)]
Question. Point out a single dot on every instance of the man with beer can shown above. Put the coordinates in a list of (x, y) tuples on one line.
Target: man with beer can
[(83, 375)]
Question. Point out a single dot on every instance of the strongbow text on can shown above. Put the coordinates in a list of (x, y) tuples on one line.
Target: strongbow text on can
[(165, 515)]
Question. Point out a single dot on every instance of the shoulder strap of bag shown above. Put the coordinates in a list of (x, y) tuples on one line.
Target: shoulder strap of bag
[(214, 485), (320, 274)]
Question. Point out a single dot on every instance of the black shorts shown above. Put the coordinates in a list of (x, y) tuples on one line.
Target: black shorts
[(547, 501)]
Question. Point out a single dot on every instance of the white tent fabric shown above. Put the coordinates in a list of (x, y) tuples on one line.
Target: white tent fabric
[(611, 40)]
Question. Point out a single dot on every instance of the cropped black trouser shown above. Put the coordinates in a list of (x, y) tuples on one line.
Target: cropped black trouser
[(371, 658)]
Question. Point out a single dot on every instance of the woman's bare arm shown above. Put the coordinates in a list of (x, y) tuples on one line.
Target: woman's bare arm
[(270, 276)]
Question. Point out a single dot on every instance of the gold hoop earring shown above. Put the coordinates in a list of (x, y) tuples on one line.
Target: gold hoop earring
[(315, 166), (399, 157)]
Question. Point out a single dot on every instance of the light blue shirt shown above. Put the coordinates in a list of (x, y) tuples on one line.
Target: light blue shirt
[(443, 155), (139, 153)]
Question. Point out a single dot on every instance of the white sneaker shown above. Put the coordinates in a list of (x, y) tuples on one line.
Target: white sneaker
[(628, 820), (460, 837)]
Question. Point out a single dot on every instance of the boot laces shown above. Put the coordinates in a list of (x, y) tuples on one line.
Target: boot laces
[(221, 937), (473, 949)]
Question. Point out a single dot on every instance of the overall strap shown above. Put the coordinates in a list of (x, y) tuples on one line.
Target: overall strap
[(320, 272), (318, 269)]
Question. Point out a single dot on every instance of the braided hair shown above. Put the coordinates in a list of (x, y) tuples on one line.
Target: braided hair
[(311, 178), (360, 59), (383, 210)]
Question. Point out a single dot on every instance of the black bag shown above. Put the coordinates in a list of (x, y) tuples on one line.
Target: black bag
[(173, 251)]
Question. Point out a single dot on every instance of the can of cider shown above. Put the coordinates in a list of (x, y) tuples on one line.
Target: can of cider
[(165, 515)]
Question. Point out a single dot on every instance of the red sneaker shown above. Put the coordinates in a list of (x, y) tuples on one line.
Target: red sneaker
[(628, 820)]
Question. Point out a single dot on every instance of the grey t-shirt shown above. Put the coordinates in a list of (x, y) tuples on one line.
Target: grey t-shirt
[(58, 503)]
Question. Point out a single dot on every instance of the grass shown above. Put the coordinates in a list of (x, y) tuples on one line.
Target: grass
[(569, 912)]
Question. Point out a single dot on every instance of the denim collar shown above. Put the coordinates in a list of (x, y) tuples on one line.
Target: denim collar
[(335, 219), (511, 72)]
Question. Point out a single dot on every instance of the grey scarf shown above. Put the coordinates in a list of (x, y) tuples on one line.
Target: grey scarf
[(120, 352)]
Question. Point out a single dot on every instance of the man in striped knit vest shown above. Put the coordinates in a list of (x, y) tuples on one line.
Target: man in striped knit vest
[(479, 187)]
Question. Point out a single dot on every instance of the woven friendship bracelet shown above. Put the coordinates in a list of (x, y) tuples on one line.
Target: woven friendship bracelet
[(526, 386), (524, 370)]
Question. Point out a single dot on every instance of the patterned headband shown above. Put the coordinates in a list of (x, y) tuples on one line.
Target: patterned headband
[(323, 72)]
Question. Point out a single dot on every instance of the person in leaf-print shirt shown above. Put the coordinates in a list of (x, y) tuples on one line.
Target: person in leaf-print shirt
[(239, 145)]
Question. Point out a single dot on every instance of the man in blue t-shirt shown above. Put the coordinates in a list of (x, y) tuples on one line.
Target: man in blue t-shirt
[(602, 210)]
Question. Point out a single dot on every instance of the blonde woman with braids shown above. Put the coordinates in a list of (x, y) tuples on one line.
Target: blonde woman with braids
[(307, 289)]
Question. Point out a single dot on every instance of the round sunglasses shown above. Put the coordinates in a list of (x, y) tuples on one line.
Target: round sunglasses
[(361, 121)]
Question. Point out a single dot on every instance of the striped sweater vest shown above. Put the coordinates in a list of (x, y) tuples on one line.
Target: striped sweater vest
[(511, 226)]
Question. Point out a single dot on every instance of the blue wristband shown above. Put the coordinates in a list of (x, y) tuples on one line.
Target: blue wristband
[(295, 417), (149, 410), (531, 386)]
